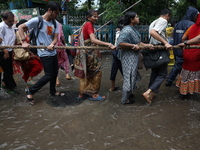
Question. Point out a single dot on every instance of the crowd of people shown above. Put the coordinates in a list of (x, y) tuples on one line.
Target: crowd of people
[(87, 63)]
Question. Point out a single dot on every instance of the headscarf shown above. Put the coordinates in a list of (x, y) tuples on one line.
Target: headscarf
[(195, 29)]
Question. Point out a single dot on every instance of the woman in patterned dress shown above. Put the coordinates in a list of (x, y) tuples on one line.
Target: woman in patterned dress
[(189, 79), (88, 62), (128, 43)]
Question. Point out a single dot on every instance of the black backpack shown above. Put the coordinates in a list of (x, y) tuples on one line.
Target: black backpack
[(33, 37)]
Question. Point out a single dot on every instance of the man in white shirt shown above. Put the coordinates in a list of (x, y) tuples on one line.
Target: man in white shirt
[(7, 35), (157, 31)]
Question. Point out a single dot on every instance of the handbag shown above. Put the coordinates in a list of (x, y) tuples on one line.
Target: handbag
[(21, 54), (155, 58)]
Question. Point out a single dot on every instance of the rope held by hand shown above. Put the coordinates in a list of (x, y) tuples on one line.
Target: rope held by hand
[(96, 47)]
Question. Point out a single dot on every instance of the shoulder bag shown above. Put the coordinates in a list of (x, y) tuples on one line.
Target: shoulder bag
[(155, 58)]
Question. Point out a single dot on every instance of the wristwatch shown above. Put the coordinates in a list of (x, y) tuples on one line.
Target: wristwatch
[(185, 42)]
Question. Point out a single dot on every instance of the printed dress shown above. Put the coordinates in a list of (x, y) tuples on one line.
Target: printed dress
[(129, 58), (189, 79), (88, 63)]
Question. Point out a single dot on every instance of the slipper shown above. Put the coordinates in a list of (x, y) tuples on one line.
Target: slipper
[(147, 98), (115, 89), (99, 98), (86, 96), (132, 96), (30, 82), (129, 102), (58, 94), (30, 100)]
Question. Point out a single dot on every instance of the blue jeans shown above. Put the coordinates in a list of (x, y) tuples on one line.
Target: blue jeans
[(50, 64), (176, 69), (158, 75)]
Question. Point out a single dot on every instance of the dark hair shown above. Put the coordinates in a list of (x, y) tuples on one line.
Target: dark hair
[(120, 23), (165, 12), (90, 13), (21, 22), (128, 16), (54, 6), (60, 20), (6, 14)]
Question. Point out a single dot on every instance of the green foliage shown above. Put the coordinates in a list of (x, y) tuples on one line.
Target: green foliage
[(198, 3), (180, 8), (88, 4), (113, 11)]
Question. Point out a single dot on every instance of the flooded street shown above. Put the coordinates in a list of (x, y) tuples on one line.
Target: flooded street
[(67, 123)]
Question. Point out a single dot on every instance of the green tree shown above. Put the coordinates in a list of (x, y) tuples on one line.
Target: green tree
[(180, 8), (148, 10), (88, 4)]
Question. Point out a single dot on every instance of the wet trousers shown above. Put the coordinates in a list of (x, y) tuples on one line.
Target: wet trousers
[(50, 64), (158, 75)]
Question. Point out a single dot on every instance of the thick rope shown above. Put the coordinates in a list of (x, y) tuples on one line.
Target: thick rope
[(96, 47)]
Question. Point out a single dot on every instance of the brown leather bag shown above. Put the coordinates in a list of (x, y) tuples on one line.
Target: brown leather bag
[(21, 54)]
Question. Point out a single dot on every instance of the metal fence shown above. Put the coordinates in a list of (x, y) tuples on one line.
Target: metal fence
[(107, 33)]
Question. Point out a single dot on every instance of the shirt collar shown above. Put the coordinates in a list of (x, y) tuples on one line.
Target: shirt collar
[(7, 25)]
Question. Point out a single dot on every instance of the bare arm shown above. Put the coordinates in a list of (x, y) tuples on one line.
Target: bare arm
[(129, 46), (194, 40), (55, 39), (184, 38), (191, 41), (156, 36), (98, 42), (22, 36)]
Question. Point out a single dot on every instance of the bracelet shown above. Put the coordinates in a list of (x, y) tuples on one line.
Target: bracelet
[(110, 45), (133, 46)]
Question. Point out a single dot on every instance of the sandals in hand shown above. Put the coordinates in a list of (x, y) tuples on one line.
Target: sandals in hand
[(31, 100), (99, 98)]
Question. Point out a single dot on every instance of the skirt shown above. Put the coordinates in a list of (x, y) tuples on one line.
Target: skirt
[(188, 82)]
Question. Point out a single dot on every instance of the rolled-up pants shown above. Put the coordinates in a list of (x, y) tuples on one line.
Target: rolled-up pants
[(158, 75)]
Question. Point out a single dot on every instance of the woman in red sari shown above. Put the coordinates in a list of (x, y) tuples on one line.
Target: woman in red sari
[(189, 79), (88, 62)]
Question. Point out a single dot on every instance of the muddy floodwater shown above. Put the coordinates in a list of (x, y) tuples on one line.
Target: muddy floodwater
[(65, 123)]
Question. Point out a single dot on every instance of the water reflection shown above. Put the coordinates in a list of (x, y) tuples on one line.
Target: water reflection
[(68, 123)]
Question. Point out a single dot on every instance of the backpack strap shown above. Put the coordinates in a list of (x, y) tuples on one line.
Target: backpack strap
[(54, 23), (39, 25)]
